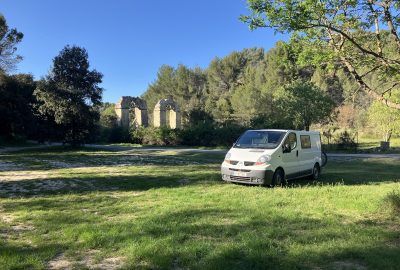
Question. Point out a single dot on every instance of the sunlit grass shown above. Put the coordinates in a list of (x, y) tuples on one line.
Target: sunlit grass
[(161, 210), (373, 143)]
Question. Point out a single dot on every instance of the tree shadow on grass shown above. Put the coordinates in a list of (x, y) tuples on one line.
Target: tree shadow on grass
[(238, 239), (19, 256), (80, 183), (60, 158), (227, 238), (356, 172)]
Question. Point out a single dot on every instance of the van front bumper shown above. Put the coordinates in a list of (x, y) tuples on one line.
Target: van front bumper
[(262, 176)]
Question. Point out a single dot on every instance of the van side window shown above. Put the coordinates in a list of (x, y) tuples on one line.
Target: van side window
[(305, 141), (291, 139)]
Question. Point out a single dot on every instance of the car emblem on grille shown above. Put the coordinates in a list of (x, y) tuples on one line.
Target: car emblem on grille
[(241, 163)]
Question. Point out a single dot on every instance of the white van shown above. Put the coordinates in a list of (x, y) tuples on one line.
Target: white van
[(272, 156)]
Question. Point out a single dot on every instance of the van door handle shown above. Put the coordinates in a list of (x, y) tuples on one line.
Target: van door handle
[(297, 153)]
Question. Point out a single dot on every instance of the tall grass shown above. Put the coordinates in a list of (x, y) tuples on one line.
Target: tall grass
[(393, 201)]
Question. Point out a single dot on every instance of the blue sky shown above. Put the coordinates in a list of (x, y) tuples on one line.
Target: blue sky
[(128, 40)]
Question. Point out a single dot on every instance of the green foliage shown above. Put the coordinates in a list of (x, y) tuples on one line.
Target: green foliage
[(71, 94), (9, 38), (393, 200), (108, 117), (211, 134), (186, 86), (16, 106), (384, 120), (202, 134), (240, 87), (303, 104), (155, 136), (247, 99), (359, 35), (110, 132), (345, 140)]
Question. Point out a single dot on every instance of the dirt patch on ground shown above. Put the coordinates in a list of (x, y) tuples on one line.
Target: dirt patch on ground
[(14, 183), (6, 166), (348, 265), (6, 218), (61, 262), (22, 227), (24, 175)]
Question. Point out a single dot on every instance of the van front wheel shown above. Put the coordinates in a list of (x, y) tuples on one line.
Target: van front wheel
[(278, 179), (316, 172)]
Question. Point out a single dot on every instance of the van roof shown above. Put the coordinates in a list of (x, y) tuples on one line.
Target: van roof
[(287, 130)]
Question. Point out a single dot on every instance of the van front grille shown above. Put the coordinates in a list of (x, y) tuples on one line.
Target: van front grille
[(240, 178), (249, 163), (239, 170)]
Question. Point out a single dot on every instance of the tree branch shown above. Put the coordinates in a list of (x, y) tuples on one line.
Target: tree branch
[(376, 22), (363, 85), (362, 49), (371, 70), (389, 21), (390, 88)]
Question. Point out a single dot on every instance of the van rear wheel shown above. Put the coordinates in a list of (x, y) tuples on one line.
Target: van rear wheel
[(316, 172), (278, 179)]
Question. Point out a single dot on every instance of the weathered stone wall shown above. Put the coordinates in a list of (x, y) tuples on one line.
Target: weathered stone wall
[(131, 110), (122, 111), (161, 109), (141, 117), (174, 119)]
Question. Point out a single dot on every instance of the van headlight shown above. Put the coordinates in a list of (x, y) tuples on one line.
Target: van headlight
[(263, 160), (228, 158)]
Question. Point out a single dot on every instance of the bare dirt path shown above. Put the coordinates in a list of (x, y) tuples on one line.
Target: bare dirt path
[(331, 156), (20, 148), (193, 150)]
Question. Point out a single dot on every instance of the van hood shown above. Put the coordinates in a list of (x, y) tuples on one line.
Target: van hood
[(246, 154)]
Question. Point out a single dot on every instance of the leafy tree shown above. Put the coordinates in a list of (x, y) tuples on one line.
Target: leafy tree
[(186, 86), (9, 38), (247, 99), (329, 82), (303, 104), (224, 76), (341, 31), (388, 127), (71, 93), (108, 116), (17, 117)]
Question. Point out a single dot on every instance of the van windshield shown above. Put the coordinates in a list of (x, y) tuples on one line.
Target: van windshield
[(260, 139)]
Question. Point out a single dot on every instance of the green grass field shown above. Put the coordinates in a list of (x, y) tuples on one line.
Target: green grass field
[(366, 143), (92, 209)]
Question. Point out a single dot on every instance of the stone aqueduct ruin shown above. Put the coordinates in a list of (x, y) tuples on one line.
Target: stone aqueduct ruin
[(133, 111)]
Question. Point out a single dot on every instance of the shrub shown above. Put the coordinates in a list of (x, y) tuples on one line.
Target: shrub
[(211, 134), (202, 134), (346, 141), (155, 136), (393, 200), (227, 135), (114, 134)]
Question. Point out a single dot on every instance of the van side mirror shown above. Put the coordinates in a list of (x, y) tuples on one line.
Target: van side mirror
[(286, 148)]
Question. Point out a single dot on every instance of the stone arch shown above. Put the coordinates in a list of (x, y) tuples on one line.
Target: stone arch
[(164, 107), (131, 110)]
